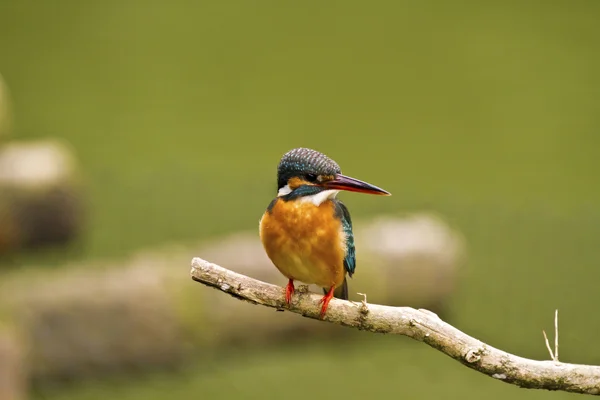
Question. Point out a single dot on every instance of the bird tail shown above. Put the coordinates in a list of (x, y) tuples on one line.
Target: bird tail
[(341, 292)]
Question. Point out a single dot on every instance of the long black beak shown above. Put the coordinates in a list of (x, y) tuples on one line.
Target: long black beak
[(342, 182)]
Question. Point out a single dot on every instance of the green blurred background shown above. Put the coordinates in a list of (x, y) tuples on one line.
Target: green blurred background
[(486, 113)]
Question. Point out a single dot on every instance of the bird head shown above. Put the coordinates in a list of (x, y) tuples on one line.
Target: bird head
[(305, 172)]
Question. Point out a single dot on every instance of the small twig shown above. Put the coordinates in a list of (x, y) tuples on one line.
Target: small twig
[(553, 354), (556, 334), (364, 308), (548, 346), (364, 300)]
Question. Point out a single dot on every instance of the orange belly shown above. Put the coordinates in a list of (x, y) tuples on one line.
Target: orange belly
[(305, 242)]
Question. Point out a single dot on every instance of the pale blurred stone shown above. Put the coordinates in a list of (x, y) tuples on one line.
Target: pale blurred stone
[(419, 254), (36, 164), (41, 199), (90, 321)]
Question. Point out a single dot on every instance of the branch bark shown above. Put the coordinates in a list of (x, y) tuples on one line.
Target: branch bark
[(421, 325)]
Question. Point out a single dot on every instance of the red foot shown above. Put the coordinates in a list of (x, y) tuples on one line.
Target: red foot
[(325, 300), (289, 291)]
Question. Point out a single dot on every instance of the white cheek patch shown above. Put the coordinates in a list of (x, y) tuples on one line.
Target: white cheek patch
[(284, 191), (320, 197)]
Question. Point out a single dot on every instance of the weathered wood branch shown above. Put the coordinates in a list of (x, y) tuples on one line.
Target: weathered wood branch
[(421, 325)]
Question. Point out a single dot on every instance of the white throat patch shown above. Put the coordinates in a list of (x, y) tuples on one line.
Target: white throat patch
[(320, 197), (316, 199)]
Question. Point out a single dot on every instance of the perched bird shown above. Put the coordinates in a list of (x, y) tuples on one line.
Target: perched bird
[(306, 231)]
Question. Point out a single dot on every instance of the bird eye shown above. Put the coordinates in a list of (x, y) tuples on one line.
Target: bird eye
[(311, 177)]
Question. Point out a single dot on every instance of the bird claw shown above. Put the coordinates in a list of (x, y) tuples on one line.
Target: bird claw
[(325, 301), (289, 291)]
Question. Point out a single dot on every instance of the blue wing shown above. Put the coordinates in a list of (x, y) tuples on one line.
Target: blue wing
[(342, 213)]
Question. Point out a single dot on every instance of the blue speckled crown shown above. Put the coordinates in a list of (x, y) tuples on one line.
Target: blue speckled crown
[(302, 161)]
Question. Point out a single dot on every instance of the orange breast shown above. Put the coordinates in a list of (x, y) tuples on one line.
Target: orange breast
[(305, 242)]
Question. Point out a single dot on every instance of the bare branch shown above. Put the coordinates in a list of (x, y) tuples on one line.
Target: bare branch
[(421, 325)]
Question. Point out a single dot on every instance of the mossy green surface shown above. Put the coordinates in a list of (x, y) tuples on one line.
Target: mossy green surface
[(483, 112)]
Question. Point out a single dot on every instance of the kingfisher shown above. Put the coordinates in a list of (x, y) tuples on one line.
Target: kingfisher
[(306, 231)]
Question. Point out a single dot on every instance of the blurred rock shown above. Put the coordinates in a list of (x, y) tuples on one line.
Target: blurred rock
[(107, 317), (91, 322), (41, 199), (420, 256), (12, 369), (5, 111)]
